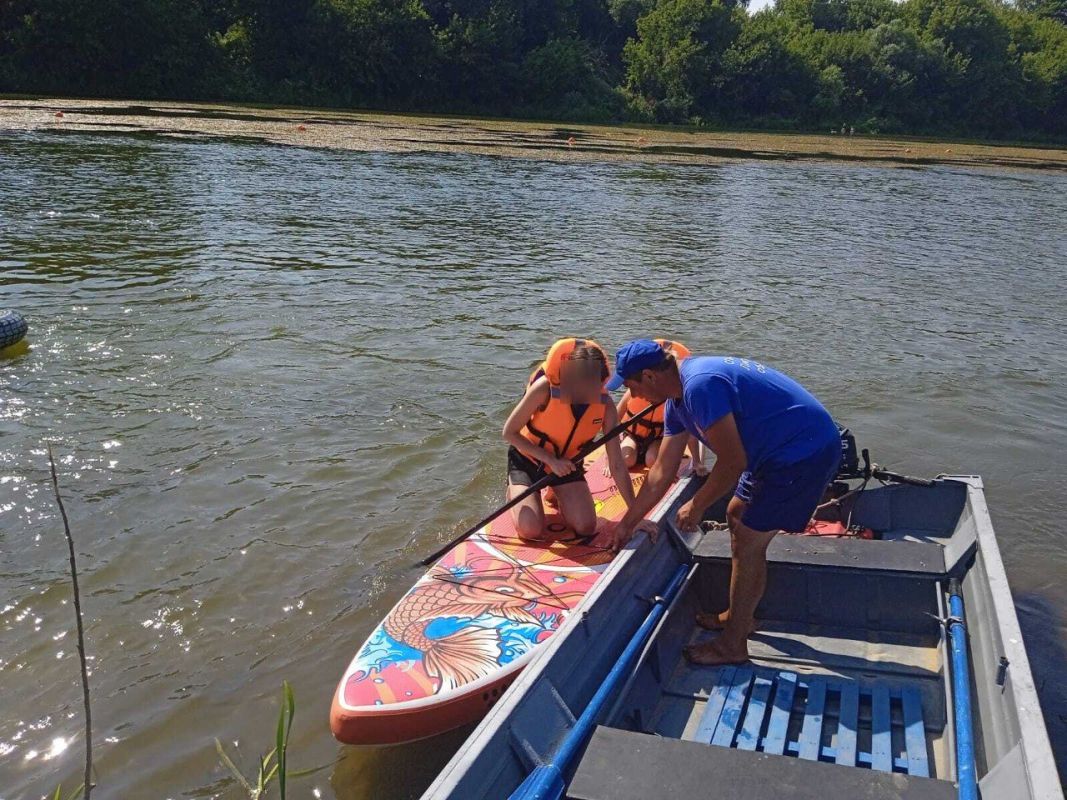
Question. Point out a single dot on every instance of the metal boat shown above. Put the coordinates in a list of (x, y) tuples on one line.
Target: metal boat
[(885, 668)]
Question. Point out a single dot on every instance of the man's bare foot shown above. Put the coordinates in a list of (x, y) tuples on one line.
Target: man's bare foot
[(711, 621), (715, 653)]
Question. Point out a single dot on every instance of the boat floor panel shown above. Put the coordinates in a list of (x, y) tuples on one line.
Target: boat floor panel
[(625, 765), (884, 699), (841, 650)]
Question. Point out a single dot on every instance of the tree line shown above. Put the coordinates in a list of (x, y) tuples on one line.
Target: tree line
[(973, 68)]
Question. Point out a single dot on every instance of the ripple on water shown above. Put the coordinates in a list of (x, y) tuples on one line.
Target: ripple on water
[(276, 376)]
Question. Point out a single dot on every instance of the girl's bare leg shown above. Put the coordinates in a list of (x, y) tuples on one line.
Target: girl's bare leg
[(528, 516), (576, 503)]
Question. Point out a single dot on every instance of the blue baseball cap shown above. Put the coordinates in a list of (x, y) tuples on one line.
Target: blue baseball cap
[(633, 357)]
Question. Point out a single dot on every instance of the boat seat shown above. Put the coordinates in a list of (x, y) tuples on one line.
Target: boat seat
[(626, 765), (919, 559), (783, 713)]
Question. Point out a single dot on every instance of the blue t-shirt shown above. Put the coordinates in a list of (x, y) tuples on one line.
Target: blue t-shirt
[(780, 421)]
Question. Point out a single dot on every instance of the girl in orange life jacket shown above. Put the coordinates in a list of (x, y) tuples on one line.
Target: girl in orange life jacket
[(565, 407), (640, 444)]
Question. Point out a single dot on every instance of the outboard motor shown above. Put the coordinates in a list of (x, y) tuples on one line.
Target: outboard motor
[(850, 457), (852, 469)]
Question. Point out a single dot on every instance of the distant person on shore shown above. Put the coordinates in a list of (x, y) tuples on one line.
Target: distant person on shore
[(776, 448), (565, 407), (641, 443)]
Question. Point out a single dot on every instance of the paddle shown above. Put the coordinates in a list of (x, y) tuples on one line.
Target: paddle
[(536, 487), (546, 781)]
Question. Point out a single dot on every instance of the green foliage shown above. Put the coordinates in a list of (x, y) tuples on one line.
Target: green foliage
[(274, 766), (675, 65), (766, 78), (568, 79), (77, 793), (970, 67)]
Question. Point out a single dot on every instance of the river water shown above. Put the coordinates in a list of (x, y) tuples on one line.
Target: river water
[(273, 377)]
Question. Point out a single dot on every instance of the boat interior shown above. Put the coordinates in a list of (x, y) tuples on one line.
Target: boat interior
[(868, 652), (849, 668)]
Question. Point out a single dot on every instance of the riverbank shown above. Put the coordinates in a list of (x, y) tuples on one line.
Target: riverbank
[(351, 130)]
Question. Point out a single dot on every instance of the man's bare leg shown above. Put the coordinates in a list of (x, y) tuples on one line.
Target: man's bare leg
[(716, 620), (748, 581)]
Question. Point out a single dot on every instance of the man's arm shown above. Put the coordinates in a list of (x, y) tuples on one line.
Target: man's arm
[(730, 461), (656, 484)]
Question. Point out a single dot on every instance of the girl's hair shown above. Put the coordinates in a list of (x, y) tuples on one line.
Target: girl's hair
[(594, 355)]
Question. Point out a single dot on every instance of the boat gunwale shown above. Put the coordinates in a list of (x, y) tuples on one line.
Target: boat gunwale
[(1039, 761)]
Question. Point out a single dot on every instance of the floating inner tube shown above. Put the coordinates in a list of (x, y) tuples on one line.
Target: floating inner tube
[(12, 328)]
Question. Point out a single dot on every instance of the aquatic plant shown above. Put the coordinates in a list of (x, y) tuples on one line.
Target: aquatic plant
[(87, 786), (274, 766)]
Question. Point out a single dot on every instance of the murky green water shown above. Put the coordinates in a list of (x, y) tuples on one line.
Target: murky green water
[(274, 376)]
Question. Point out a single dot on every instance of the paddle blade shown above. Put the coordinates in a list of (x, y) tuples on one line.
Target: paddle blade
[(544, 783)]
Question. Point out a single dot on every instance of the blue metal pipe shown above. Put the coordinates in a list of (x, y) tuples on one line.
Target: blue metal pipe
[(966, 774), (546, 782)]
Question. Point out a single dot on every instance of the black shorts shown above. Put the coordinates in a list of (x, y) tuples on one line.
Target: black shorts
[(523, 471), (643, 443), (784, 498)]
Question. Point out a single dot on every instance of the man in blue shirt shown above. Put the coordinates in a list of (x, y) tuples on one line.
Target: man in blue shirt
[(776, 448)]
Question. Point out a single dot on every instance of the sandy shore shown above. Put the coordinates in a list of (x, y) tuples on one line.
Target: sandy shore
[(559, 142)]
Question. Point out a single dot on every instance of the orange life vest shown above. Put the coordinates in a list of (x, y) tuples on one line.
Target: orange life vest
[(555, 426), (650, 426)]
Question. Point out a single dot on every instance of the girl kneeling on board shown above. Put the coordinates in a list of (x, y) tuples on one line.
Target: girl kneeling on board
[(565, 407)]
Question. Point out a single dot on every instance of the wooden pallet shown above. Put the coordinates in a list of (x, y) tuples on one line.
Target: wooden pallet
[(754, 708)]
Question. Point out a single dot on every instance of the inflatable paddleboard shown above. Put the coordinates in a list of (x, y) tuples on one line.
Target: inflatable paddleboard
[(448, 650)]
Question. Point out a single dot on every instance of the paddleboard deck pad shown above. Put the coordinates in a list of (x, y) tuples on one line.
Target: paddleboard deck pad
[(447, 651)]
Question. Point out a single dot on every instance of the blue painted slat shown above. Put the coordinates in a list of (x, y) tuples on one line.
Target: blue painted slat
[(830, 753), (730, 719), (716, 700), (914, 732), (778, 726), (811, 733), (757, 710), (847, 725), (881, 737)]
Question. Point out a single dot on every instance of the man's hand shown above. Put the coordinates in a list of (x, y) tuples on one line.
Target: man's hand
[(689, 516), (622, 534), (700, 469)]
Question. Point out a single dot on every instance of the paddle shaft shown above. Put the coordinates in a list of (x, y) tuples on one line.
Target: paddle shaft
[(537, 486)]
